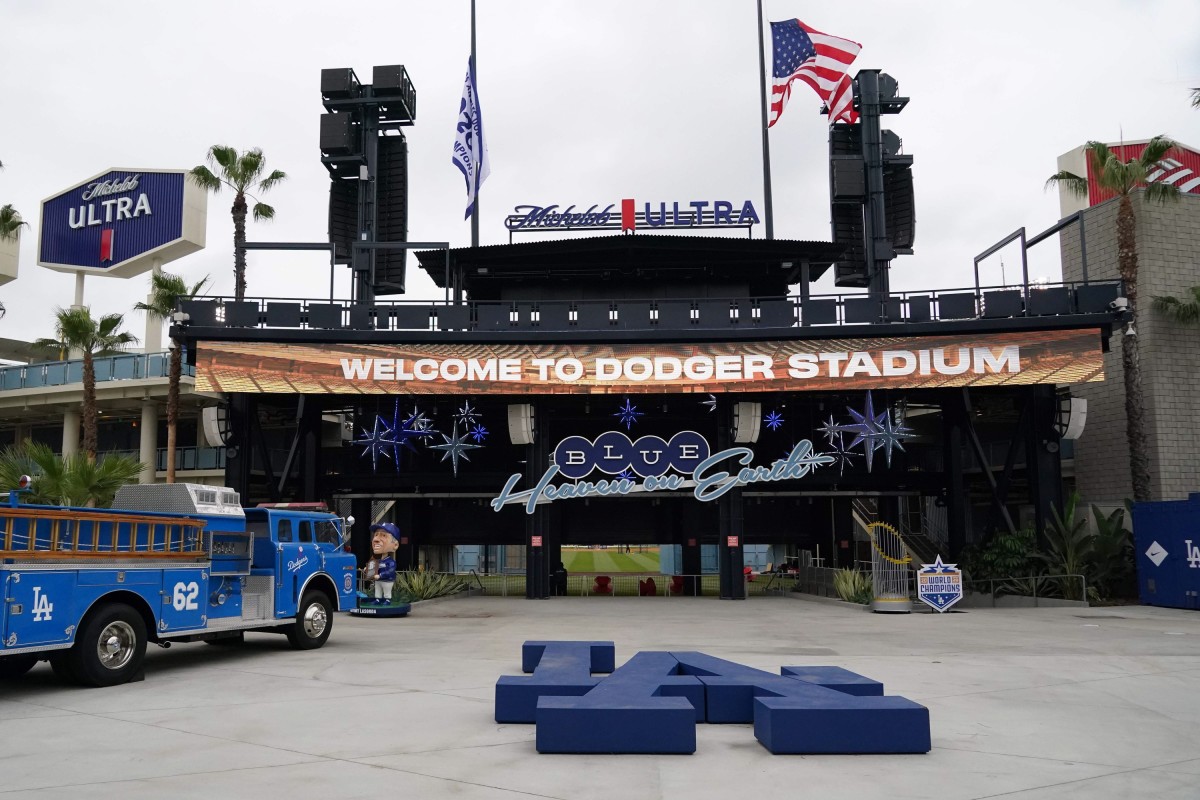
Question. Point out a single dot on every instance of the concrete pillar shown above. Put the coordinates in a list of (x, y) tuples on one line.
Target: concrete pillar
[(148, 444), (70, 440), (22, 434), (154, 324)]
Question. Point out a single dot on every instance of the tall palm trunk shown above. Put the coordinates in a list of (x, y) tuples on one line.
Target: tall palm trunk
[(239, 247), (1135, 414), (89, 406), (173, 407)]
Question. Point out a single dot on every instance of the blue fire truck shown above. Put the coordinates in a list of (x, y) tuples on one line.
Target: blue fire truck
[(88, 589)]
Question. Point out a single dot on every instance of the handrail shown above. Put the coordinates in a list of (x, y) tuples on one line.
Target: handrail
[(141, 366)]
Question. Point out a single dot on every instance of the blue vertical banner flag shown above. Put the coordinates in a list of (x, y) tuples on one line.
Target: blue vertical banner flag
[(470, 150)]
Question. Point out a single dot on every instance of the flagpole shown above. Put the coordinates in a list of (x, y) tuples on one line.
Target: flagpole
[(768, 213), (475, 206)]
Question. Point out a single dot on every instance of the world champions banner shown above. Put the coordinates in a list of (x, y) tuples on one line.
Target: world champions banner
[(999, 359)]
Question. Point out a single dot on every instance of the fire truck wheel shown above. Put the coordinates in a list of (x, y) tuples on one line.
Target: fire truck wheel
[(314, 621), (110, 647), (13, 667)]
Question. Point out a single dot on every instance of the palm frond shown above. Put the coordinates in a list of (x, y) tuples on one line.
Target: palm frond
[(268, 183), (166, 290), (10, 222), (223, 156), (250, 165), (263, 211), (204, 178), (1161, 193), (1074, 184), (1155, 151), (1181, 311)]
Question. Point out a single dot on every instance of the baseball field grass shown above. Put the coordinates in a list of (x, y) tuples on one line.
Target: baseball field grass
[(610, 560)]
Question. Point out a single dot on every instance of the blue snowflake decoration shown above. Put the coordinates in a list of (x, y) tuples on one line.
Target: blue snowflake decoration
[(773, 420), (455, 447), (628, 414), (479, 433), (626, 475)]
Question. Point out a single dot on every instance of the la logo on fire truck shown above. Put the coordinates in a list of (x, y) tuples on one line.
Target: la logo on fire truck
[(42, 607), (1193, 554)]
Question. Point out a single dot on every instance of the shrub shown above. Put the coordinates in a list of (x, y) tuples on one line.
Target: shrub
[(853, 586), (411, 586)]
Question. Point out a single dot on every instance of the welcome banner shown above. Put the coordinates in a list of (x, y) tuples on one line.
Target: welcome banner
[(1062, 357)]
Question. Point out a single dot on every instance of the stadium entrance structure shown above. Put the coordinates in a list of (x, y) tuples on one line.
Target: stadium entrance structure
[(613, 390)]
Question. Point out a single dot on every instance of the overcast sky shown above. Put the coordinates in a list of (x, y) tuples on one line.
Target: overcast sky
[(582, 103)]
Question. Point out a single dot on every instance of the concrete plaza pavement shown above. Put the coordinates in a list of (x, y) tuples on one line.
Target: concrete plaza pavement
[(1024, 703)]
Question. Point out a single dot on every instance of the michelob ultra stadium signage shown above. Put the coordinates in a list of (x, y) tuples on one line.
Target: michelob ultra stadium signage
[(627, 215), (120, 221), (901, 363)]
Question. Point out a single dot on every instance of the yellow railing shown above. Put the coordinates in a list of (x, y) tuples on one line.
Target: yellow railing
[(45, 533)]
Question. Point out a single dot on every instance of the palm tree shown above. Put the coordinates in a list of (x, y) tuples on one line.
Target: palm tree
[(10, 222), (1185, 312), (239, 172), (165, 293), (66, 480), (76, 330), (1123, 178)]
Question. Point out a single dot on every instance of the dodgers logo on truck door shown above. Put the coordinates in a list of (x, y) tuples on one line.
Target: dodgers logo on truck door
[(39, 607)]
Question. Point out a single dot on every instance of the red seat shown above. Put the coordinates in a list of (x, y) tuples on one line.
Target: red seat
[(676, 586), (647, 588), (749, 573), (603, 585)]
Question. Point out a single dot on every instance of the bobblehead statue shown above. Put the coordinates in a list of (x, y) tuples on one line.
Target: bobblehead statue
[(385, 539), (381, 571)]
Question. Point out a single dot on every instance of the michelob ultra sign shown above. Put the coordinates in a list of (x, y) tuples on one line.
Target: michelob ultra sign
[(121, 221), (1061, 357)]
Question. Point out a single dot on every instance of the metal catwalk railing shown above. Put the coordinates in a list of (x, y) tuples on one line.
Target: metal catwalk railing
[(650, 314)]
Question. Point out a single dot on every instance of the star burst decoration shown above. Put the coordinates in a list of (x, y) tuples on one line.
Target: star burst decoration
[(773, 420), (845, 457), (830, 430), (455, 447), (711, 402), (467, 415), (414, 427), (377, 441), (874, 431), (628, 414), (479, 433)]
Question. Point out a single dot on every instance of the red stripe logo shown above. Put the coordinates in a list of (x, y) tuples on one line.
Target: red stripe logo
[(628, 219), (106, 245)]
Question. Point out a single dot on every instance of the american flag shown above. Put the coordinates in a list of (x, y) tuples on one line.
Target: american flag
[(818, 59)]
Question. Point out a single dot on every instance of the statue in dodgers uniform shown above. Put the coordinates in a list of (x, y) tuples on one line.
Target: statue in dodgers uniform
[(385, 540)]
